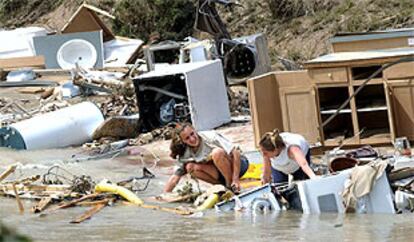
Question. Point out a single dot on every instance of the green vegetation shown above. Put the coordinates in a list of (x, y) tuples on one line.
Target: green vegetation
[(170, 19), (296, 29), (18, 13)]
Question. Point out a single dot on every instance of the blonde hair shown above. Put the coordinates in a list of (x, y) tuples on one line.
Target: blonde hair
[(272, 140)]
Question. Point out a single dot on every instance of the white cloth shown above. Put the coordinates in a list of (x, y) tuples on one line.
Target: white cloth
[(282, 162)]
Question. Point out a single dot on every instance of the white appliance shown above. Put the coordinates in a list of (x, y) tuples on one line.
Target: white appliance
[(200, 85), (324, 195), (73, 125)]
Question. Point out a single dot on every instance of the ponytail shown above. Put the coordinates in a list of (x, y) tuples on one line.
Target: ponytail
[(272, 140)]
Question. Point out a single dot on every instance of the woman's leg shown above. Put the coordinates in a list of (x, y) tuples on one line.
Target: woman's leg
[(278, 176), (224, 165), (206, 172)]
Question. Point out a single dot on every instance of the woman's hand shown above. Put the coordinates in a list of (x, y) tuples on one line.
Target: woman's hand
[(266, 180), (235, 186)]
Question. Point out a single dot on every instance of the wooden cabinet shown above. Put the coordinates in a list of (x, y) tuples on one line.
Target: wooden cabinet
[(299, 112), (303, 102)]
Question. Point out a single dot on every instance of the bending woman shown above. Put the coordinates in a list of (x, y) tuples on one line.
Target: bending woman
[(207, 156), (283, 154)]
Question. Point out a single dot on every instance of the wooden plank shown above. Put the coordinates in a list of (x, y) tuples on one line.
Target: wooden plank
[(374, 44), (365, 62), (7, 172), (19, 62), (165, 209), (93, 203), (44, 202), (36, 188), (74, 202), (88, 214), (19, 202), (32, 90)]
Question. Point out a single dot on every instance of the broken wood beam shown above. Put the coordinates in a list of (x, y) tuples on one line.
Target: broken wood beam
[(76, 201), (93, 203), (165, 209), (35, 188), (20, 62), (25, 181), (19, 202), (7, 172), (88, 214), (44, 202)]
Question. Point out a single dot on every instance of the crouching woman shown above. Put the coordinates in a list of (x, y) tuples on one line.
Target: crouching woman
[(206, 155), (285, 154)]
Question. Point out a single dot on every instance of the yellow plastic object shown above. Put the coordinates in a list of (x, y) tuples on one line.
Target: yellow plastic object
[(121, 191), (249, 184), (209, 202), (253, 172)]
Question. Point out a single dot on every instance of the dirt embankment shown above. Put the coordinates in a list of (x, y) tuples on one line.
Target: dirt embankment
[(297, 30)]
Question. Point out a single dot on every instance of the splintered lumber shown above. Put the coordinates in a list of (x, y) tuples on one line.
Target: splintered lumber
[(31, 191), (89, 213), (44, 202), (176, 199), (19, 62), (25, 181), (7, 172), (36, 188), (19, 202), (76, 201), (93, 203), (165, 209)]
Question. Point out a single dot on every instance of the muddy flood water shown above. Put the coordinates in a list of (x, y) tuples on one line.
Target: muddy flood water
[(123, 222)]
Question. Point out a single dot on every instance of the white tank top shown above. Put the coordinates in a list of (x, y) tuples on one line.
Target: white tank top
[(282, 162)]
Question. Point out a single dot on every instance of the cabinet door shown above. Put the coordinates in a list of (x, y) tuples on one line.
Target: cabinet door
[(300, 112), (402, 97), (264, 105)]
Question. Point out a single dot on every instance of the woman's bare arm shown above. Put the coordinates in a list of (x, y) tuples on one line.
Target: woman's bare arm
[(296, 154)]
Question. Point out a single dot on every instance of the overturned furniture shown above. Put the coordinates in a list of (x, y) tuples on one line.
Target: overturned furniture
[(193, 92), (376, 87)]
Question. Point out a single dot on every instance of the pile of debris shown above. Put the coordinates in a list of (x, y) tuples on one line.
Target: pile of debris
[(59, 189), (85, 62)]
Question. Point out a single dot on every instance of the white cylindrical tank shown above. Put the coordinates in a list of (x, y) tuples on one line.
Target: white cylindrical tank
[(73, 125)]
